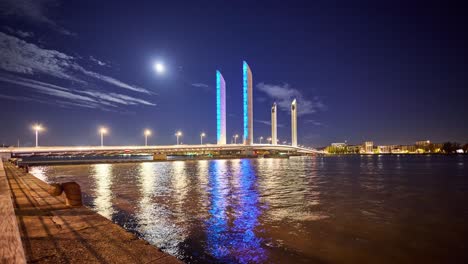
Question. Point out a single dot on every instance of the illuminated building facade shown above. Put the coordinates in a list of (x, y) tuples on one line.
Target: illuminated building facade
[(294, 123), (220, 109), (368, 147), (274, 130), (247, 104)]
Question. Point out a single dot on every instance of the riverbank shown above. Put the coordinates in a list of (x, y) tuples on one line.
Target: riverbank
[(54, 233)]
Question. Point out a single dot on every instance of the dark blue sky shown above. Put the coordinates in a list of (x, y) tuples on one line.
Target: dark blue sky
[(391, 73)]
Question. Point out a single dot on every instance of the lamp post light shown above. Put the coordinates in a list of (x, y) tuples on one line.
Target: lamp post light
[(235, 138), (178, 134), (202, 135), (102, 131), (147, 133), (269, 140), (261, 138), (37, 128)]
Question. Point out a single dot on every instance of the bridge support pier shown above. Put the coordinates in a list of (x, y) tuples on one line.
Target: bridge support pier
[(159, 156)]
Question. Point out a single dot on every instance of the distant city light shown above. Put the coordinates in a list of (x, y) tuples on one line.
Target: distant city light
[(159, 67)]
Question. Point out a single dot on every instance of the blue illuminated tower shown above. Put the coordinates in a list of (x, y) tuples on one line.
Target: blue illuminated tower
[(220, 109), (248, 104)]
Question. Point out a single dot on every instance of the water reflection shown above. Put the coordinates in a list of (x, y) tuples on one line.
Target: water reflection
[(103, 177), (336, 209), (246, 244), (155, 218), (218, 239)]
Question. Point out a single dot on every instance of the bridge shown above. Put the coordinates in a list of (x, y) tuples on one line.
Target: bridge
[(158, 152), (220, 150)]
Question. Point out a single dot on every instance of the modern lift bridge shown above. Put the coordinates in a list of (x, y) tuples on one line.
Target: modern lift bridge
[(221, 149)]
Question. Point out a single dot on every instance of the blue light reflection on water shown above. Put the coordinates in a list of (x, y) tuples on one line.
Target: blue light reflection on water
[(217, 224), (233, 235), (248, 210)]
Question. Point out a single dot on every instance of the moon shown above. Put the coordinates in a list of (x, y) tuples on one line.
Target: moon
[(159, 67)]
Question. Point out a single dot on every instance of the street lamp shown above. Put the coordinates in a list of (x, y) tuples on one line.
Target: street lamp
[(147, 133), (202, 135), (102, 131), (178, 134), (37, 128), (261, 138), (235, 138), (269, 140)]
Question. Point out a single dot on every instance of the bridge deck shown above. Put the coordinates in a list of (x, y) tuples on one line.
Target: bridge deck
[(63, 150)]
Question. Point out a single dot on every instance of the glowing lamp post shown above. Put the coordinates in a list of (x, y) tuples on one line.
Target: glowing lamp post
[(261, 138), (202, 135), (269, 140), (178, 134), (102, 131), (37, 128), (235, 138), (147, 133)]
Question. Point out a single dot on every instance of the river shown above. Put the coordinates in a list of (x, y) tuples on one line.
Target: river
[(324, 209)]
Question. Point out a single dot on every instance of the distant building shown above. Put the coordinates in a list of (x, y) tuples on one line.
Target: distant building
[(384, 149), (369, 147), (423, 143), (354, 148), (339, 145), (408, 148)]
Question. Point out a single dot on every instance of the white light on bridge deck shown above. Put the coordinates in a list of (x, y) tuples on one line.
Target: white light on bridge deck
[(178, 134), (202, 135), (37, 128), (147, 133), (102, 131)]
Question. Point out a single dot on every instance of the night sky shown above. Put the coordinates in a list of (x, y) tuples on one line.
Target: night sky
[(392, 73)]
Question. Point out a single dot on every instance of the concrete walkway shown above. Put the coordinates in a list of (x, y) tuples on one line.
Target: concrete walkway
[(11, 249), (54, 233)]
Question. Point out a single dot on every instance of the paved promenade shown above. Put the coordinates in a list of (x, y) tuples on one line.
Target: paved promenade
[(54, 233), (11, 249)]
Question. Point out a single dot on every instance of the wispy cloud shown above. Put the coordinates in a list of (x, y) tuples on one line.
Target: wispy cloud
[(204, 86), (284, 94), (22, 57), (200, 85), (19, 56), (34, 11), (98, 62), (268, 123), (19, 33), (53, 73), (313, 122), (72, 97)]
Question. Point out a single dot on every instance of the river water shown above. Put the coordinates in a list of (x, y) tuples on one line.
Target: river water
[(338, 209)]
